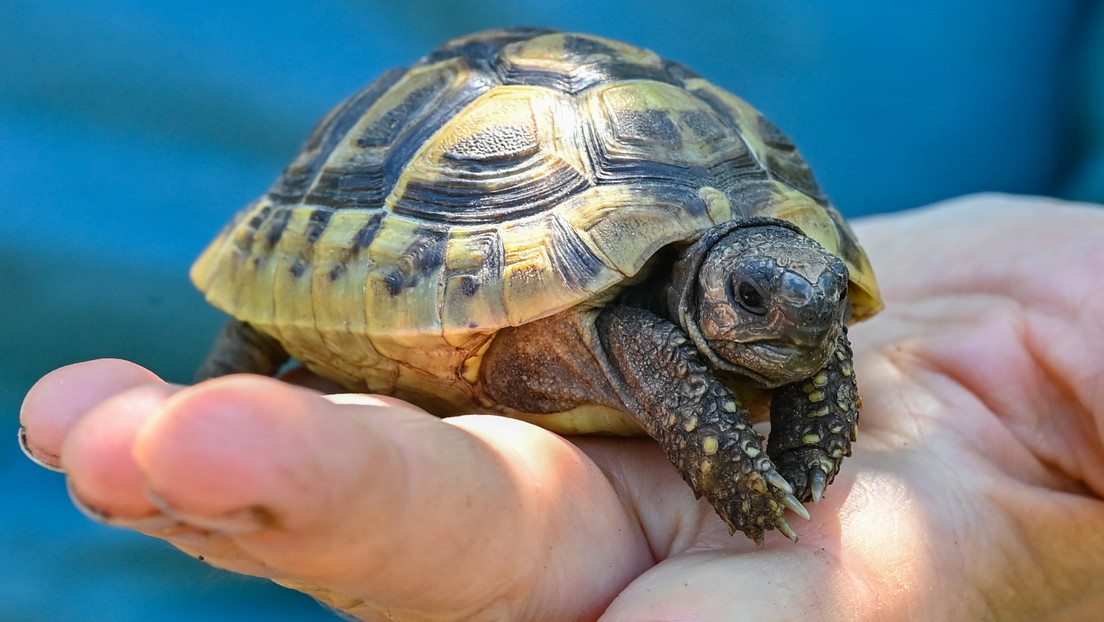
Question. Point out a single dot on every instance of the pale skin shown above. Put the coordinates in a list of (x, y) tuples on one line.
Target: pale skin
[(974, 493)]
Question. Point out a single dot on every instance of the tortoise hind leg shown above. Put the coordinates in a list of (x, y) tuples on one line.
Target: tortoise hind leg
[(240, 348), (546, 366)]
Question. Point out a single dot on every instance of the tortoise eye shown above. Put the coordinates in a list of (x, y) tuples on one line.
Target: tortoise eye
[(750, 298)]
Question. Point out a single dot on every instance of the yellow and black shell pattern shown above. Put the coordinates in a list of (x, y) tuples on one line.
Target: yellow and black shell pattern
[(505, 177)]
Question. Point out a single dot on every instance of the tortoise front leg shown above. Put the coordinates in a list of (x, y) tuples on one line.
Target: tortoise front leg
[(676, 398), (813, 423), (240, 348)]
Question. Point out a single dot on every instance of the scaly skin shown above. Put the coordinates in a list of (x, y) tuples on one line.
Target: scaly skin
[(813, 423), (702, 428)]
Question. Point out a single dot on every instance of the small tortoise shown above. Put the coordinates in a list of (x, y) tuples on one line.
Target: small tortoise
[(574, 232)]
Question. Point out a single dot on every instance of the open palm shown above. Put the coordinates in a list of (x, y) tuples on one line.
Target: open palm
[(975, 490)]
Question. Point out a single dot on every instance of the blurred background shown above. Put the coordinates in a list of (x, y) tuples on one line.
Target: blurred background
[(131, 131)]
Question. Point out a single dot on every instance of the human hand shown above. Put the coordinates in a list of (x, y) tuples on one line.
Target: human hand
[(974, 491)]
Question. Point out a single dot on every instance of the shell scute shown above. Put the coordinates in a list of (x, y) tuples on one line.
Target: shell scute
[(459, 177), (540, 276), (775, 151), (473, 293), (303, 172), (573, 63), (658, 131), (624, 226)]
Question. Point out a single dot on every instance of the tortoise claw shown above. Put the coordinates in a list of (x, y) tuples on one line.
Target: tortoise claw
[(787, 530), (794, 505), (774, 478), (817, 483)]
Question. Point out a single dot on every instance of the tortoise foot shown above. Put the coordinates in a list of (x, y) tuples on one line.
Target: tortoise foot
[(813, 423)]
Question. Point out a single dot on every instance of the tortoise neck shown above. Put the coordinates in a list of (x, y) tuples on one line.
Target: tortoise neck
[(653, 293)]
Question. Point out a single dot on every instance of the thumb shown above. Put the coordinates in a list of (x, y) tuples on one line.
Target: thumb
[(375, 506)]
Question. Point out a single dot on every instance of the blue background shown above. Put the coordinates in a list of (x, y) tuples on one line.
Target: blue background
[(130, 131)]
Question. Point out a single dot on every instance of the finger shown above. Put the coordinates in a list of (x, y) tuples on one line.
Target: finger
[(57, 401), (389, 507), (104, 478), (107, 484)]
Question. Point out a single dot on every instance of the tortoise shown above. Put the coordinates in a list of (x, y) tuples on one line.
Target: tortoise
[(575, 232)]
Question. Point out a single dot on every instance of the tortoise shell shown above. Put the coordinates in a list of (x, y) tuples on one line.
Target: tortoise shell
[(505, 177)]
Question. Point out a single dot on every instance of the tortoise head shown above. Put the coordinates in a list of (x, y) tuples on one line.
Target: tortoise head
[(763, 300)]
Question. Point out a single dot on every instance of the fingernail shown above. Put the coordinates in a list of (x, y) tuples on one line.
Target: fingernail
[(30, 453), (153, 522), (248, 520)]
